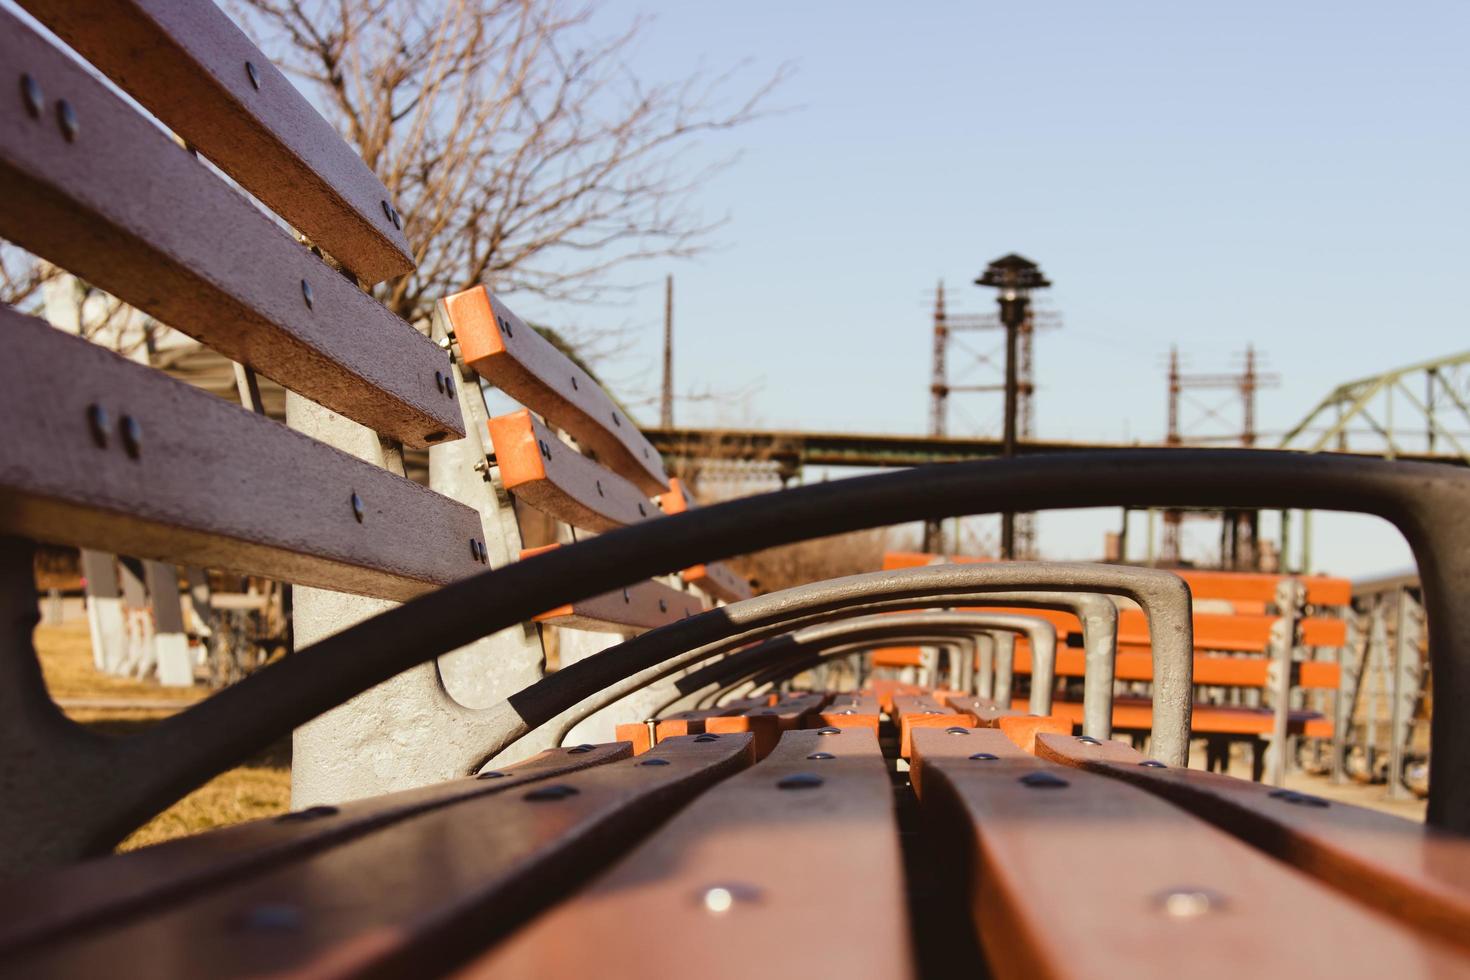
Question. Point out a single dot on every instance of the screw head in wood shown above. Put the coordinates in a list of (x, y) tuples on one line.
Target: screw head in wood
[(707, 737), (254, 74), (829, 731), (556, 791), (357, 509), (1298, 799), (439, 380), (800, 780), (957, 730), (132, 436), (491, 774), (821, 756), (1153, 764), (617, 421), (545, 449), (1088, 740), (306, 294), (580, 749), (599, 489), (984, 757), (30, 93), (1043, 780), (100, 424), (310, 813), (1188, 903), (654, 762), (66, 116), (505, 327), (449, 385), (663, 606)]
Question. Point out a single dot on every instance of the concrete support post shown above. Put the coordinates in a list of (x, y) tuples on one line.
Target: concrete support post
[(137, 660), (104, 610), (1289, 597), (170, 642)]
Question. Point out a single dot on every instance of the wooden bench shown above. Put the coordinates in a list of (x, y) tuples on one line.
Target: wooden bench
[(690, 857)]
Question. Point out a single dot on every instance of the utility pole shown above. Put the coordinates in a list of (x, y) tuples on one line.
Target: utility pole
[(1014, 276), (938, 407), (666, 402)]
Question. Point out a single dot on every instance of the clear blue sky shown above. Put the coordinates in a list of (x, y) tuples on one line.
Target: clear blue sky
[(1292, 175)]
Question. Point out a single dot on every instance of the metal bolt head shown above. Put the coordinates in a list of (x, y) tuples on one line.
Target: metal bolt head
[(30, 93), (653, 762), (545, 449), (505, 326), (829, 731), (799, 780), (491, 774), (663, 606), (984, 757), (100, 424), (1298, 799), (1088, 740), (821, 756), (1188, 903), (132, 436), (439, 380), (719, 899), (66, 117), (617, 421), (574, 383), (306, 294), (556, 791), (357, 508), (599, 489), (310, 813), (706, 737), (272, 917), (956, 730), (1153, 764), (449, 385), (254, 74), (642, 512), (580, 749), (1041, 779), (474, 549)]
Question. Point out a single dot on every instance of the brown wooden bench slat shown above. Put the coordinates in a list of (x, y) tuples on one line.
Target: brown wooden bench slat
[(644, 606), (913, 711), (101, 891), (413, 897), (750, 877), (1018, 726), (505, 351), (1406, 869), (205, 483), (768, 722), (207, 261), (852, 711), (1078, 875), (554, 478), (190, 66), (1136, 714), (716, 578)]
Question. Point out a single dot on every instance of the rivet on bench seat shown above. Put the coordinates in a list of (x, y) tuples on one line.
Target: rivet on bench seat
[(1088, 740), (829, 731), (821, 756), (557, 791), (254, 74), (30, 90), (66, 117), (1188, 903), (984, 757), (132, 436), (1043, 780), (492, 774), (956, 729), (100, 424), (654, 762), (306, 293), (706, 737), (800, 780), (1300, 799), (1152, 764), (580, 749)]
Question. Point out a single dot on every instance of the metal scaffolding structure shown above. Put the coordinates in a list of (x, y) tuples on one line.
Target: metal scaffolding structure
[(1370, 410)]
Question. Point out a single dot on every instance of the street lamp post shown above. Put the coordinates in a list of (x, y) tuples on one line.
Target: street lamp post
[(1015, 276)]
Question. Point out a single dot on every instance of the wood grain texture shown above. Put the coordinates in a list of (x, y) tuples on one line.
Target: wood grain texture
[(186, 64), (915, 711), (554, 478), (854, 710), (128, 210), (1095, 878), (1413, 872), (505, 351), (801, 882), (145, 881), (411, 898), (770, 722), (211, 485)]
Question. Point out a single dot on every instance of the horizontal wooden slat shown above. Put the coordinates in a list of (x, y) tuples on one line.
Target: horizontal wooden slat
[(645, 606), (749, 879), (1136, 714), (719, 580), (97, 892), (411, 898), (557, 480), (1078, 875), (913, 711), (505, 351), (128, 210), (1257, 587), (770, 721), (1409, 870), (211, 484), (1133, 665), (194, 69), (854, 710)]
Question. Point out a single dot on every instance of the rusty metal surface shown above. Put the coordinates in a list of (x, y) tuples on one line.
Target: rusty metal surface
[(716, 893), (98, 892), (1052, 847), (504, 350), (203, 260), (126, 459), (554, 478), (136, 777), (197, 72), (410, 898)]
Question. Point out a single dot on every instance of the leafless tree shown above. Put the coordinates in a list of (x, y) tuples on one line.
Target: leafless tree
[(523, 150)]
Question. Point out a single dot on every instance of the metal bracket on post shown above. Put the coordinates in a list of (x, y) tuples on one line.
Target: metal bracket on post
[(1290, 595), (1349, 663), (1405, 690)]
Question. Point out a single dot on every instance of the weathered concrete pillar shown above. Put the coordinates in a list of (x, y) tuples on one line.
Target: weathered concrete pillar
[(170, 642), (137, 660), (104, 610)]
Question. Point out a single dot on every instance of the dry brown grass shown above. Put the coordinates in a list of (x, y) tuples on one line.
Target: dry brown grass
[(261, 788)]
